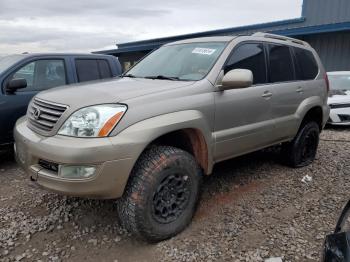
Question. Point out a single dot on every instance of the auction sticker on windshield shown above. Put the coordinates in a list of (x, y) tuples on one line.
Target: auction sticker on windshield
[(203, 51)]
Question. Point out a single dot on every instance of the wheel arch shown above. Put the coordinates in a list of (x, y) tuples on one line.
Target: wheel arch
[(190, 140), (315, 113), (311, 108), (187, 130)]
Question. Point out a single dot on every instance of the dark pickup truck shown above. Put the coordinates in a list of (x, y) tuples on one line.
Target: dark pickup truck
[(23, 76)]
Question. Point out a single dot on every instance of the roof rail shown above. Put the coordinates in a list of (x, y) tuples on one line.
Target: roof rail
[(280, 37)]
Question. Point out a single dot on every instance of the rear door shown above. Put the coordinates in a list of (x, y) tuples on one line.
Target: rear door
[(306, 69), (288, 91), (40, 74)]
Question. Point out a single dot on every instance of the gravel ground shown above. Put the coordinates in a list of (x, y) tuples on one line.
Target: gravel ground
[(252, 208)]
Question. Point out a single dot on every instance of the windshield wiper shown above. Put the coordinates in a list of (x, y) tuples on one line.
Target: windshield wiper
[(173, 78), (129, 75)]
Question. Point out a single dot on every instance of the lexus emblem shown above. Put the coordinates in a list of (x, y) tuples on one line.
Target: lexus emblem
[(36, 113)]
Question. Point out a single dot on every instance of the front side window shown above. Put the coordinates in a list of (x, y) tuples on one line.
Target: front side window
[(281, 63), (42, 74), (249, 56), (182, 61)]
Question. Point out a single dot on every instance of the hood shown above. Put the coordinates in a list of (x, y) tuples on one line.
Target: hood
[(339, 97), (108, 91)]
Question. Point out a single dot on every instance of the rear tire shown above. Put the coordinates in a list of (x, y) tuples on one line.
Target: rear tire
[(161, 194), (301, 151)]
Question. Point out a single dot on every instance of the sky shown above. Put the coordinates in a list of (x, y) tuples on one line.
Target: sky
[(90, 25)]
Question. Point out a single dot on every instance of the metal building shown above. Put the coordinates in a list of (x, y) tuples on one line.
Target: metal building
[(325, 24)]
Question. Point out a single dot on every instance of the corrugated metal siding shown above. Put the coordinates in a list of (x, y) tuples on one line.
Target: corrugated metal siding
[(318, 12), (333, 49)]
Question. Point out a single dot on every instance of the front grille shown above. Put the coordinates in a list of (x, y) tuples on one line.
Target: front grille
[(333, 106), (44, 115)]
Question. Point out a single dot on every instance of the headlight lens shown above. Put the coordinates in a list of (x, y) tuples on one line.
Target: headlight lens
[(93, 121)]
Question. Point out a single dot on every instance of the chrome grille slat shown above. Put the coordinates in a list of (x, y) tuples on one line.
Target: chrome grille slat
[(35, 124), (50, 106), (42, 122), (49, 111), (49, 114), (49, 118)]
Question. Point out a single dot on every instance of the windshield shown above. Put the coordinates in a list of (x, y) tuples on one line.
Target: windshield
[(8, 61), (179, 62), (339, 82)]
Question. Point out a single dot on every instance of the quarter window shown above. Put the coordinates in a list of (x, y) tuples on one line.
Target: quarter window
[(281, 63), (92, 69), (249, 56), (306, 67)]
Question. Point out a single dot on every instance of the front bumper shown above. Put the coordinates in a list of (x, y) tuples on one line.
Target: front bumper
[(339, 116), (112, 166)]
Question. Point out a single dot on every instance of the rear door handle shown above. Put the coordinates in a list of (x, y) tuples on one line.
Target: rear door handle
[(266, 94), (300, 90)]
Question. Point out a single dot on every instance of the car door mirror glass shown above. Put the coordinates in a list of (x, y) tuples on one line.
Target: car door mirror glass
[(14, 84), (237, 78)]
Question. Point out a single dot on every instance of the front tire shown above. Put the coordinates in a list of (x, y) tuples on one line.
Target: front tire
[(301, 151), (161, 194)]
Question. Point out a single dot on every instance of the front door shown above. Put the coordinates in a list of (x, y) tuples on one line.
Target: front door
[(243, 119)]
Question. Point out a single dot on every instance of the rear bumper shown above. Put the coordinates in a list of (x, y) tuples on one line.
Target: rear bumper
[(112, 169)]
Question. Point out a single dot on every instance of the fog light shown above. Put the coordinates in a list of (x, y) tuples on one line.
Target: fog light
[(76, 172)]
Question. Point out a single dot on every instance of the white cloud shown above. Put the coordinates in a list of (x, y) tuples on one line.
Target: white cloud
[(47, 25)]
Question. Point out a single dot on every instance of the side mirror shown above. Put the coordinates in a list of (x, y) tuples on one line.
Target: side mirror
[(237, 78), (15, 84)]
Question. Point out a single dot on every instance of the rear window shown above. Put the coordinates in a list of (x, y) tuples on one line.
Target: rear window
[(306, 67), (281, 63), (92, 69)]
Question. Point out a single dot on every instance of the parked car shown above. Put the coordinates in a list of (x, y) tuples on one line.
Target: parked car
[(148, 137), (339, 98), (23, 76)]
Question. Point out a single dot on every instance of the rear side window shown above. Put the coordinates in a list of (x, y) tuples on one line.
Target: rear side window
[(249, 56), (92, 69), (281, 63), (306, 67)]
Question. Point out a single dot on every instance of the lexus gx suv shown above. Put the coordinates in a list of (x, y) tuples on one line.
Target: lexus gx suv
[(148, 138)]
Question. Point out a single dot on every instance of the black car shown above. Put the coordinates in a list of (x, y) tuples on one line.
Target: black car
[(23, 76)]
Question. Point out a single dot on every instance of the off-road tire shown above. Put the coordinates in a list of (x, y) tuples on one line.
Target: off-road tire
[(301, 151), (138, 209)]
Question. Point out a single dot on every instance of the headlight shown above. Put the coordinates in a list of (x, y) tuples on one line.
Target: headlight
[(93, 121)]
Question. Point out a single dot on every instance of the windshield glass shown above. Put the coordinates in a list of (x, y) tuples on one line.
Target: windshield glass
[(8, 61), (339, 82), (183, 61)]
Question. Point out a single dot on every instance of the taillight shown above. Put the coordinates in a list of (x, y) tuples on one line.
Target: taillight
[(327, 82)]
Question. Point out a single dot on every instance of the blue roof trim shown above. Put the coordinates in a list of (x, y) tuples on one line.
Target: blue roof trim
[(319, 29), (231, 30), (298, 31)]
